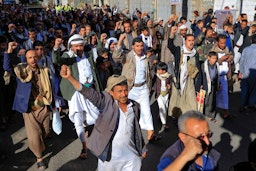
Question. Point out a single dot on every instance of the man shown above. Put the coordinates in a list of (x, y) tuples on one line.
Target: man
[(43, 60), (82, 31), (33, 98), (28, 44), (224, 60), (116, 138), (84, 70), (41, 33), (197, 27), (167, 26), (247, 74), (179, 38), (46, 61), (88, 30), (252, 30), (152, 32), (241, 40), (126, 38), (146, 38), (17, 33), (187, 77), (136, 70), (193, 150), (204, 43), (229, 32)]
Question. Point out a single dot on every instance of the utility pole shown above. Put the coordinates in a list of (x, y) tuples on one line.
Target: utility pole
[(184, 8), (241, 6)]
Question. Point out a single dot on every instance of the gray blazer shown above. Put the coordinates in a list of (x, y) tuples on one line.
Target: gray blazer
[(105, 126)]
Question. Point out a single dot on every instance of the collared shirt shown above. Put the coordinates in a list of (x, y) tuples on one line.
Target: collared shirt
[(95, 54), (140, 76), (123, 146), (248, 60)]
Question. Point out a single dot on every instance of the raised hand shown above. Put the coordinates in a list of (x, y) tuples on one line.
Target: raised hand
[(174, 30), (12, 46), (58, 42), (192, 149), (65, 72)]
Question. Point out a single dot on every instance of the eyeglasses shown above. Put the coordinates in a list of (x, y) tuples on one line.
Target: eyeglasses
[(200, 137)]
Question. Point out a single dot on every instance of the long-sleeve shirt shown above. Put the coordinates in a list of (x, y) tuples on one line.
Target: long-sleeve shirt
[(248, 60)]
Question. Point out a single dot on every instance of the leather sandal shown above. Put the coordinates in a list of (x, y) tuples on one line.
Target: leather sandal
[(41, 166), (83, 154)]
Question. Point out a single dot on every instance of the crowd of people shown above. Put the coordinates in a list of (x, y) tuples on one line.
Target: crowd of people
[(103, 66)]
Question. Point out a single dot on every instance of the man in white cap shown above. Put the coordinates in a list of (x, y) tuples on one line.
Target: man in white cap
[(179, 37), (116, 139), (83, 69)]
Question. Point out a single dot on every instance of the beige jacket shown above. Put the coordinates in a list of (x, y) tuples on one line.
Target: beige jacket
[(129, 70), (126, 41)]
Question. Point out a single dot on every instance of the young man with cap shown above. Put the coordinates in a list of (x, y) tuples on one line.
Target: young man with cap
[(83, 69), (116, 138)]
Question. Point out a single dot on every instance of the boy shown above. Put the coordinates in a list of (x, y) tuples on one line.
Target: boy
[(162, 90), (153, 60), (210, 84), (104, 66)]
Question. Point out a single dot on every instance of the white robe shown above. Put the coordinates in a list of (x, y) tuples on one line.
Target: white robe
[(222, 94), (78, 103)]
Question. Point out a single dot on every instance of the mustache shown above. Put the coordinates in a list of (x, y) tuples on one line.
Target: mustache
[(124, 97)]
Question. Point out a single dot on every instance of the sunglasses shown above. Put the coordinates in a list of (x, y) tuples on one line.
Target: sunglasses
[(200, 137)]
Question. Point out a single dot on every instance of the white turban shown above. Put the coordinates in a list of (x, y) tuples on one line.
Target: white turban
[(110, 41), (75, 39), (183, 26)]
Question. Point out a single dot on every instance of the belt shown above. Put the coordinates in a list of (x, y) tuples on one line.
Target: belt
[(237, 46), (139, 84)]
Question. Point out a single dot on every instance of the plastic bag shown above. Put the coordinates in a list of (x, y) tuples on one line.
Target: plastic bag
[(56, 122)]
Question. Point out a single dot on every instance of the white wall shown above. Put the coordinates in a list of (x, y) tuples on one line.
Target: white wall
[(162, 7), (248, 8)]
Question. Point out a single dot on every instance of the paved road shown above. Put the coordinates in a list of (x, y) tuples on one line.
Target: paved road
[(231, 138)]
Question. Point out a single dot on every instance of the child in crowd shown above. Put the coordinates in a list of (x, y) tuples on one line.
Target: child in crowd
[(210, 84), (104, 66), (162, 90), (153, 60)]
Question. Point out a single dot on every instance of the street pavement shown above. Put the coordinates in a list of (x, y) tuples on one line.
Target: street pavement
[(231, 139)]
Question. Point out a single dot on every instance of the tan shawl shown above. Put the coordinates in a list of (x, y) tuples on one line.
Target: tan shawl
[(24, 74)]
